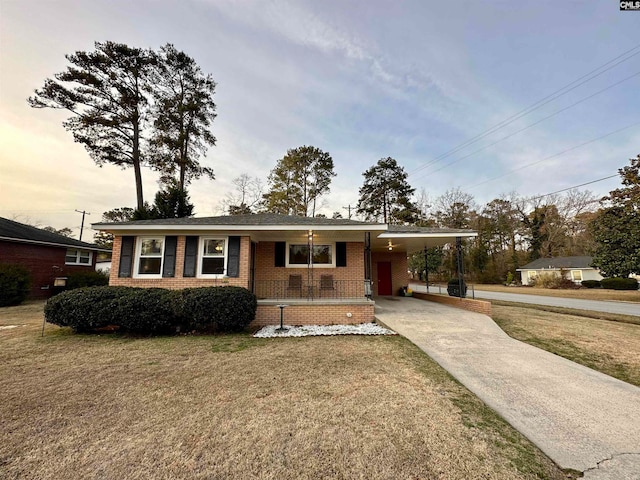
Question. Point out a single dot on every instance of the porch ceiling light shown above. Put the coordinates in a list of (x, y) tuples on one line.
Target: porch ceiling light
[(310, 235)]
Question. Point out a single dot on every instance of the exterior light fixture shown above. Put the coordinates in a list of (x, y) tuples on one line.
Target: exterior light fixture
[(390, 246), (310, 235)]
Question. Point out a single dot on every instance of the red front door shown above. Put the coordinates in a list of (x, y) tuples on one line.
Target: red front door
[(384, 278)]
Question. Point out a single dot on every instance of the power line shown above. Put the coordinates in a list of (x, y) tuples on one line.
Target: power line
[(510, 172), (534, 123), (575, 186), (566, 89)]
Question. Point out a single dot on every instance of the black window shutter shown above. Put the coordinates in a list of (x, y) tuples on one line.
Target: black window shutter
[(281, 248), (341, 254), (190, 256), (169, 264), (233, 260), (126, 257)]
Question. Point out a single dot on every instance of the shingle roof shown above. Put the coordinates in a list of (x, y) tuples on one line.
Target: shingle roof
[(255, 219), (559, 262), (26, 233)]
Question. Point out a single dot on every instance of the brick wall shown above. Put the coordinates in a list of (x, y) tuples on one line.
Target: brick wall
[(479, 306), (352, 274), (43, 262), (315, 313), (179, 281), (399, 267)]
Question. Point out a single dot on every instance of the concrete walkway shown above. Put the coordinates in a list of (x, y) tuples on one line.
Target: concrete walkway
[(580, 418)]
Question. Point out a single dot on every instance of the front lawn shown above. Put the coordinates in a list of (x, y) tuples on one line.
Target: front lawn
[(109, 406), (612, 347), (581, 293)]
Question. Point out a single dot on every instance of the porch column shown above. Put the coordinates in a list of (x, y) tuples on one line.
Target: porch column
[(426, 269), (368, 288), (460, 265)]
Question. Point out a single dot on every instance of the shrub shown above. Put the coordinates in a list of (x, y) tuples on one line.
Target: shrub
[(552, 280), (453, 288), (147, 310), (617, 283), (218, 309), (15, 283), (591, 283), (85, 309), (153, 310), (91, 278)]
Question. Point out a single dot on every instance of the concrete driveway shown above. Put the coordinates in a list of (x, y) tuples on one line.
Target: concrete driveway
[(580, 418)]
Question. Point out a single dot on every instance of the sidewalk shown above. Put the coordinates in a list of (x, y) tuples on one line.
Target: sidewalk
[(580, 418)]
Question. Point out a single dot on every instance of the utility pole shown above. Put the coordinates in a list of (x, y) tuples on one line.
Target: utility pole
[(348, 208), (82, 225)]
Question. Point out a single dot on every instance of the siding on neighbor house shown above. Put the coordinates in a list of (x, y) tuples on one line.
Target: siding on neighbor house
[(179, 281), (587, 274), (399, 270), (44, 263)]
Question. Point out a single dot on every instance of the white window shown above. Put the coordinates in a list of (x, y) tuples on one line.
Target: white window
[(149, 256), (213, 257), (576, 275), (77, 257), (298, 255)]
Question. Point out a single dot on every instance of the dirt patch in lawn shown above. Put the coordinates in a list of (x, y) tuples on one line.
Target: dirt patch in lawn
[(608, 346), (581, 293), (108, 406)]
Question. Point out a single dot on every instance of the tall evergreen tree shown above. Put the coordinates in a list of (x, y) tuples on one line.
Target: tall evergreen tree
[(386, 194), (298, 181), (616, 228), (107, 93), (182, 116)]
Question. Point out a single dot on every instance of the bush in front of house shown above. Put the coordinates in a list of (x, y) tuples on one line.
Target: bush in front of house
[(453, 288), (153, 310), (15, 284), (618, 283), (553, 281), (218, 309), (91, 278), (86, 309), (591, 283)]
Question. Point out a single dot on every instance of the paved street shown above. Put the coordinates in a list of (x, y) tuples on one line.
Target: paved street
[(622, 308)]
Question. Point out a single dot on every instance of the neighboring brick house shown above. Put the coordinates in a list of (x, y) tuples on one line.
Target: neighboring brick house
[(325, 270), (48, 256)]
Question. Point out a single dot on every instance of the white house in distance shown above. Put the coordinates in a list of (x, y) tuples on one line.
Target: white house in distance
[(577, 268)]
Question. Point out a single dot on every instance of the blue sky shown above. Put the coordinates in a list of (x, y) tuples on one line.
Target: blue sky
[(360, 79)]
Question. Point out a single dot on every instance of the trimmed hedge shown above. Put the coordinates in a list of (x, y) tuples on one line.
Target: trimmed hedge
[(453, 288), (15, 284), (218, 309), (153, 310), (591, 283), (617, 283)]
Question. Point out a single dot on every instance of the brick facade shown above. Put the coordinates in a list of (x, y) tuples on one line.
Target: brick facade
[(179, 281), (314, 313), (399, 270), (44, 263)]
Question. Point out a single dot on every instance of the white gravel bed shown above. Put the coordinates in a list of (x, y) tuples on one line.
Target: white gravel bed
[(309, 330)]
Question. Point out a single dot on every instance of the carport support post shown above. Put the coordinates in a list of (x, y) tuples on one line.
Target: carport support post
[(460, 264), (426, 269)]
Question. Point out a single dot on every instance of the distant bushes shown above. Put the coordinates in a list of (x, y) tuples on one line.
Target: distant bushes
[(15, 284), (153, 310), (453, 288), (91, 278), (553, 281), (619, 283), (591, 283)]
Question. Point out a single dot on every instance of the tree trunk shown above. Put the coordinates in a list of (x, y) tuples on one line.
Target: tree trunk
[(136, 165)]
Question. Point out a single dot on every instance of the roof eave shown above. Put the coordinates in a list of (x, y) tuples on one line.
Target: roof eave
[(244, 228), (53, 244)]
